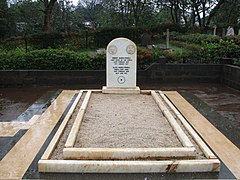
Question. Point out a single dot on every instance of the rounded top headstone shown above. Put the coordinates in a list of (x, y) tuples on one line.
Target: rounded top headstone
[(121, 63), (117, 46)]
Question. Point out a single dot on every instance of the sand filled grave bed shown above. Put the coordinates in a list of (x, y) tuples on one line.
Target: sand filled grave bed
[(106, 131), (124, 121)]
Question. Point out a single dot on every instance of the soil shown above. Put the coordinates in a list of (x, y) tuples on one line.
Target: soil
[(125, 121)]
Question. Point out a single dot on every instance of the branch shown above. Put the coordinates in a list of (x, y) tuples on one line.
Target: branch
[(214, 11)]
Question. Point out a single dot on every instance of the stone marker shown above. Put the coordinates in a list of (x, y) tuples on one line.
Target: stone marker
[(167, 38), (214, 30), (101, 51), (230, 31), (121, 67), (146, 40)]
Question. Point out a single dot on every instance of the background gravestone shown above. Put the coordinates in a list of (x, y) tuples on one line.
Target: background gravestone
[(121, 65), (146, 40)]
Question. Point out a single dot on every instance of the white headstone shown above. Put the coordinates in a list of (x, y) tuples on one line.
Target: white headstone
[(230, 31), (121, 66), (214, 30)]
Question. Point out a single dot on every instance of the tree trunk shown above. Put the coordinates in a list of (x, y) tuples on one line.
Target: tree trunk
[(47, 24), (204, 17), (184, 6), (176, 15), (198, 15), (193, 17), (193, 14), (176, 10), (47, 14), (172, 12)]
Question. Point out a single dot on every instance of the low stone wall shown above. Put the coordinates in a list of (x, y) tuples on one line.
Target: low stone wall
[(50, 77), (231, 76), (156, 73), (174, 73)]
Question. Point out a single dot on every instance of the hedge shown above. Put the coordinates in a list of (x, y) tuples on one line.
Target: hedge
[(62, 59), (50, 59)]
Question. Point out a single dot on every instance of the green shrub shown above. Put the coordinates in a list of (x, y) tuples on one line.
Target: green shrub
[(62, 59), (194, 38), (233, 39), (144, 58), (189, 50), (236, 61), (50, 59), (214, 52), (12, 43), (46, 40)]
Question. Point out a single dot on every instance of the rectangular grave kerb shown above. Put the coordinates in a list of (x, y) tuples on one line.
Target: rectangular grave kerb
[(127, 165)]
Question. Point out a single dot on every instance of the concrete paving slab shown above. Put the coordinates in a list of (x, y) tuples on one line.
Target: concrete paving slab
[(11, 128), (223, 148), (17, 161)]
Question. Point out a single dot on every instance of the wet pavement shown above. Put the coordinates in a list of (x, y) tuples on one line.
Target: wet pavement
[(15, 101), (219, 103), (9, 142)]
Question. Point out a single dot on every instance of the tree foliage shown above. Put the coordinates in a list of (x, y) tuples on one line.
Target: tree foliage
[(28, 16), (6, 20), (62, 16)]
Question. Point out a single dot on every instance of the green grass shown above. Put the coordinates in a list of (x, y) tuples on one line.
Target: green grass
[(88, 52)]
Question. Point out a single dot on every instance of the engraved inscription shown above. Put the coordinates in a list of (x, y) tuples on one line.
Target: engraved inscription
[(120, 65)]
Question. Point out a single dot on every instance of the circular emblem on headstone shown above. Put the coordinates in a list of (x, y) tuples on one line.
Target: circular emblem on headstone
[(130, 49), (112, 49), (121, 79)]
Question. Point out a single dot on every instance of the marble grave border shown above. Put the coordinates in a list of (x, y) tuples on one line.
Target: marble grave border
[(69, 152), (110, 160)]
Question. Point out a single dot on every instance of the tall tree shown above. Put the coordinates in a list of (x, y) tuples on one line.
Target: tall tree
[(62, 16), (206, 8), (90, 10), (3, 18), (228, 14), (48, 9), (28, 16)]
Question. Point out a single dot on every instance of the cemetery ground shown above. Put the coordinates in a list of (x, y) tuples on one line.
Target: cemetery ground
[(82, 131), (218, 103)]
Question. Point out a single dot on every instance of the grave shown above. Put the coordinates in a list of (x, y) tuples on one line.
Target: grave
[(121, 68), (230, 31), (101, 51), (122, 129), (134, 151), (146, 39)]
